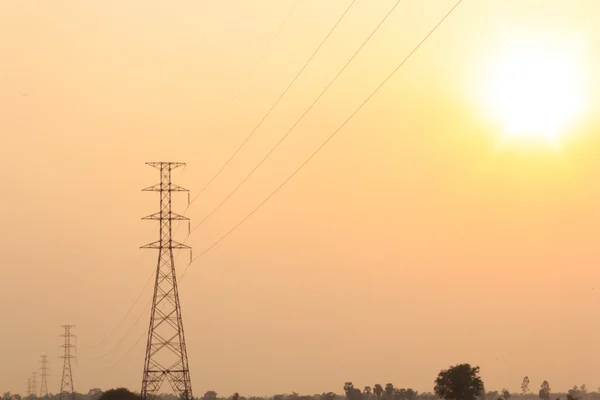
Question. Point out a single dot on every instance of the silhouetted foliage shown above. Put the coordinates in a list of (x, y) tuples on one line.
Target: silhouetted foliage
[(119, 394), (525, 385), (459, 382), (378, 390), (352, 393), (544, 392), (574, 394), (328, 396), (506, 394), (210, 395), (389, 391)]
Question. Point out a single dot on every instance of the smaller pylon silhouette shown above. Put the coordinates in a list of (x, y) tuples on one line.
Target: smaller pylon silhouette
[(34, 384), (29, 387), (66, 384), (45, 373)]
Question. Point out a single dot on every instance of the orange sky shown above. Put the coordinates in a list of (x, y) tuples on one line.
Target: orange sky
[(413, 241)]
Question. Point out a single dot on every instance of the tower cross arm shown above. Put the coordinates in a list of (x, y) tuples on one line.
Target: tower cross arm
[(171, 187), (170, 165), (170, 215), (157, 245)]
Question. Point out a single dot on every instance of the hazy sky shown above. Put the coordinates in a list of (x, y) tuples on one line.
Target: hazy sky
[(415, 240)]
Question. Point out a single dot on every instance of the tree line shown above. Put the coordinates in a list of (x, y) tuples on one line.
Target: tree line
[(459, 382)]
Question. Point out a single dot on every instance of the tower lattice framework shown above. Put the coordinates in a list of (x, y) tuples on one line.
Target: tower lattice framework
[(45, 373), (34, 384), (166, 354), (67, 390)]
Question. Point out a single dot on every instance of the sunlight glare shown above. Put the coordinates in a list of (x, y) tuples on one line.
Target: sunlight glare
[(535, 91)]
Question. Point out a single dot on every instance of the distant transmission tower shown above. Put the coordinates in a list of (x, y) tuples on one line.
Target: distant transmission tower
[(29, 391), (45, 369), (66, 384), (34, 384), (166, 355)]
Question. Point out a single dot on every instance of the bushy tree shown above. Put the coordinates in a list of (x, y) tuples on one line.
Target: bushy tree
[(544, 393), (459, 382), (574, 393), (119, 394), (378, 390), (351, 392), (389, 391)]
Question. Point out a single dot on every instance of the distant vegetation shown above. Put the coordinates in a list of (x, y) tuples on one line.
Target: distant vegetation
[(459, 382)]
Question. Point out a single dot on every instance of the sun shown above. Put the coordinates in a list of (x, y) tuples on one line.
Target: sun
[(535, 91)]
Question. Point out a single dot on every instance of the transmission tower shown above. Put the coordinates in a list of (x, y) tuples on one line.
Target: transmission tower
[(66, 384), (34, 384), (166, 355), (45, 369), (29, 391)]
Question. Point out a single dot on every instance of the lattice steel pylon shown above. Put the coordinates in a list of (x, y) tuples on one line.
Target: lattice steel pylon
[(67, 389), (29, 391), (166, 354), (44, 368), (34, 384)]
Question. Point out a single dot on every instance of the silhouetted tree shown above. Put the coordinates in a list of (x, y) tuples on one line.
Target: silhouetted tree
[(378, 390), (235, 396), (399, 394), (95, 393), (367, 392), (574, 393), (210, 395), (525, 385), (389, 391), (328, 396), (405, 394), (459, 382), (351, 392), (544, 392), (119, 394), (506, 394)]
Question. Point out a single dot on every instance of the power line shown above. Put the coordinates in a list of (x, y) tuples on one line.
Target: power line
[(307, 160), (260, 59), (264, 53), (321, 44), (126, 333), (251, 71), (128, 351), (301, 116), (124, 318), (276, 102), (394, 71)]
